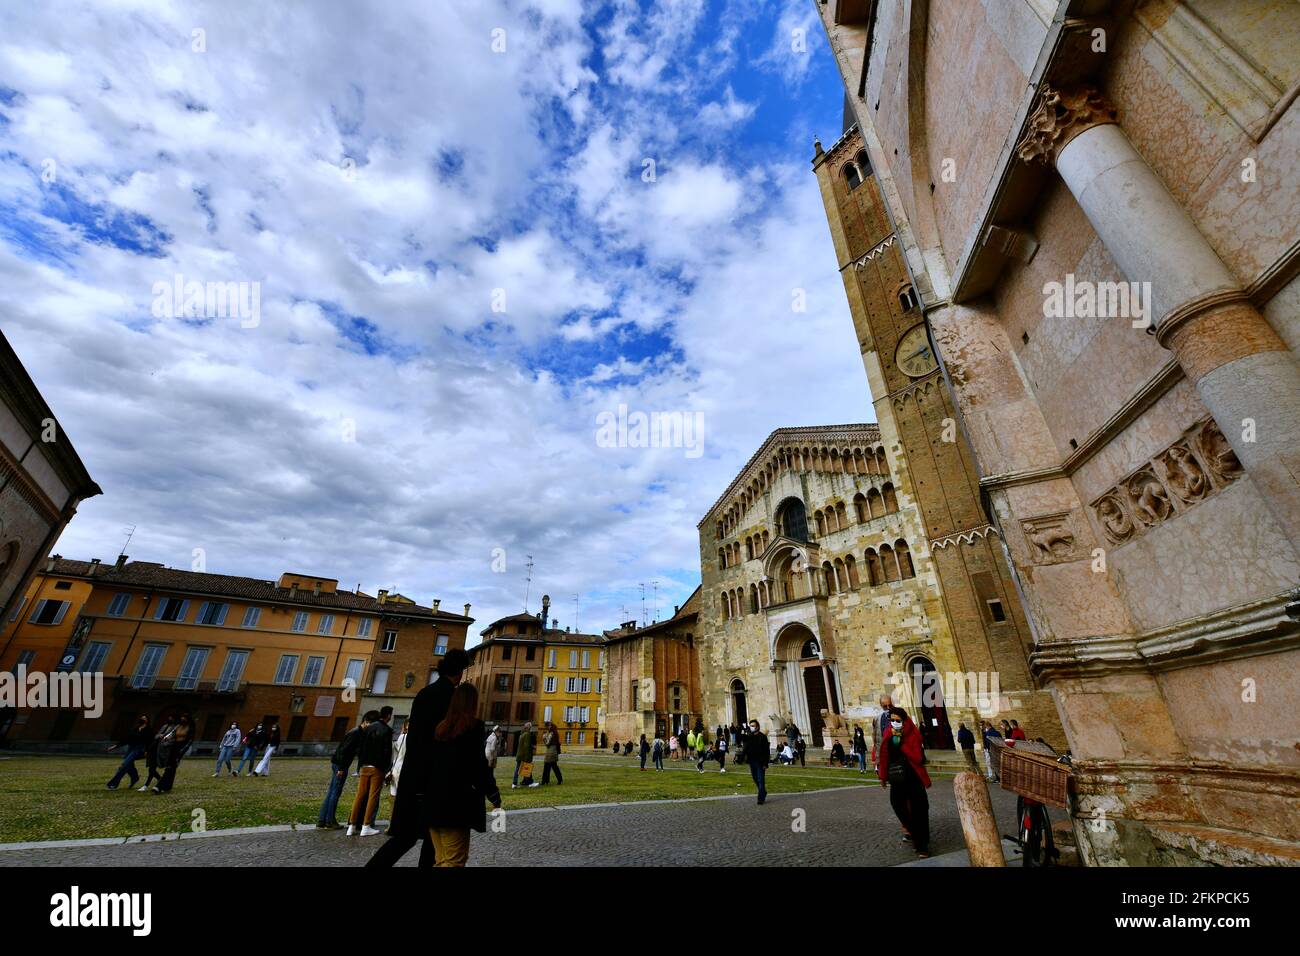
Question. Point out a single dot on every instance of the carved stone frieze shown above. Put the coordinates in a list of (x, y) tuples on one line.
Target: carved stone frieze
[(1186, 473)]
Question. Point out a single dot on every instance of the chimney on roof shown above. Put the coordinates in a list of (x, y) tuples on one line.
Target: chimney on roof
[(676, 609), (49, 563), (629, 625), (546, 609), (121, 562), (383, 595), (94, 566), (293, 590), (436, 602), (467, 610)]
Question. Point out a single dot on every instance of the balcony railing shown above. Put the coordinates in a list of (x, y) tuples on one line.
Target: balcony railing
[(179, 685)]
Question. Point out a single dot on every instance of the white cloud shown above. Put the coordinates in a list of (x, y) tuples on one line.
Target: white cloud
[(399, 176)]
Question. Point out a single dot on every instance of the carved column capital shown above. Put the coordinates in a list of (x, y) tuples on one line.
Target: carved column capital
[(1061, 115)]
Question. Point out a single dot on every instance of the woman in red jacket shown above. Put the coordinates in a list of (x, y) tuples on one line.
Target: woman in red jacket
[(899, 765)]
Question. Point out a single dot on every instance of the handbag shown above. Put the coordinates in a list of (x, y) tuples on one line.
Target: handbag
[(526, 769)]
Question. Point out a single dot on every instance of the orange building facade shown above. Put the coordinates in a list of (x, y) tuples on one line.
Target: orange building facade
[(297, 651)]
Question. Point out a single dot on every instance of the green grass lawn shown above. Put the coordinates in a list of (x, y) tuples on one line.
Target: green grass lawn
[(61, 798)]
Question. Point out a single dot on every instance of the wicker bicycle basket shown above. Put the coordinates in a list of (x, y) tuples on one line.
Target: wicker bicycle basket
[(1036, 776)]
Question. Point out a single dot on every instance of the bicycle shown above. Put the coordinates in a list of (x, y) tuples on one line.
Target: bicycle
[(1034, 836)]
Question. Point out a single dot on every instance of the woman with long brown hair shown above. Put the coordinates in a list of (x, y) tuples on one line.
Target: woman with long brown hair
[(551, 740), (459, 780)]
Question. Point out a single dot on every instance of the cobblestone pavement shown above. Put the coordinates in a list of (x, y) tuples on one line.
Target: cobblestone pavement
[(852, 826)]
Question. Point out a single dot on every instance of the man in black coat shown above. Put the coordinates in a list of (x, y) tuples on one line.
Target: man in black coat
[(758, 754), (406, 824)]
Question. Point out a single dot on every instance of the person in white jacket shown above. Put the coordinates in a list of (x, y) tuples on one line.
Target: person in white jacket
[(399, 752), (229, 744), (492, 747)]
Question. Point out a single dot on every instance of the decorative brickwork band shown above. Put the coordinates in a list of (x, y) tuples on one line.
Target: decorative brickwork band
[(1063, 114), (1215, 329)]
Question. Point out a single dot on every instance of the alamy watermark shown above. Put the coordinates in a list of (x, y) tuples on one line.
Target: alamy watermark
[(624, 429), (979, 690), (179, 299), (1085, 299), (74, 690)]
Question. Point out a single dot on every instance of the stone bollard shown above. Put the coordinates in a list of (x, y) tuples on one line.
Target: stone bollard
[(978, 824)]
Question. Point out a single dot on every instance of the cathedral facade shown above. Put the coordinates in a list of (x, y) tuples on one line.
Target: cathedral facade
[(820, 593), (1097, 204)]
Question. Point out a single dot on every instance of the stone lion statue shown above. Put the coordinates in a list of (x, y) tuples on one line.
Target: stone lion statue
[(834, 724)]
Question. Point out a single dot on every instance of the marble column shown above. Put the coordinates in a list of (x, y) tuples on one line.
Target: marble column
[(1240, 366)]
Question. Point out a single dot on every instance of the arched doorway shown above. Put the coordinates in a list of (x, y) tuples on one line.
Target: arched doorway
[(809, 681), (739, 711), (931, 709), (792, 519)]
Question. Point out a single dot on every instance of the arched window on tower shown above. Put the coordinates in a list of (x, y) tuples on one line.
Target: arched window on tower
[(860, 507), (864, 163), (907, 298), (852, 175), (904, 556), (851, 570), (874, 576), (891, 499), (889, 565)]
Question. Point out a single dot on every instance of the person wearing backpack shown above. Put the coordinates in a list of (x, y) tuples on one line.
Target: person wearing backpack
[(340, 761)]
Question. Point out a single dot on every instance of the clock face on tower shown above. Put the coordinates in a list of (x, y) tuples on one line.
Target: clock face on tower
[(915, 356)]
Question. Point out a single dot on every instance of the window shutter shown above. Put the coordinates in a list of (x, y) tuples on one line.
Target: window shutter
[(36, 612), (63, 609), (221, 613), (203, 610), (185, 608)]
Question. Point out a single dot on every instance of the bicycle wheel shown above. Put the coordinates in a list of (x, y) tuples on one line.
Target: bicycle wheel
[(1031, 836)]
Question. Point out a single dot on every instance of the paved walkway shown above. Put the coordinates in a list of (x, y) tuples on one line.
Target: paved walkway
[(848, 827)]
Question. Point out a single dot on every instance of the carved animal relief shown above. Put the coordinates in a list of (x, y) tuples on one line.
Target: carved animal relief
[(1051, 538), (1187, 472)]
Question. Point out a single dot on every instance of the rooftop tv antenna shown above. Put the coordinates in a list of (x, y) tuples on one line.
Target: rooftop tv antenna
[(528, 588), (575, 614), (130, 533)]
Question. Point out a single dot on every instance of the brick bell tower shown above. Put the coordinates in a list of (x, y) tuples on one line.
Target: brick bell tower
[(919, 423)]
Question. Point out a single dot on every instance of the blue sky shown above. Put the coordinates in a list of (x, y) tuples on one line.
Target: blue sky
[(461, 261)]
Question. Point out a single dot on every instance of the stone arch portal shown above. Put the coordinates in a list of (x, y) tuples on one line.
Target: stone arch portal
[(808, 681)]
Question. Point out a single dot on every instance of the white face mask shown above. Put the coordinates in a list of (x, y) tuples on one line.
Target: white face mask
[(897, 724)]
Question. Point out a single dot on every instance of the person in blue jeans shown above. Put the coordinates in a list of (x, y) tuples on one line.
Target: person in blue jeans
[(135, 744), (252, 744), (659, 753), (758, 754), (344, 754), (229, 744)]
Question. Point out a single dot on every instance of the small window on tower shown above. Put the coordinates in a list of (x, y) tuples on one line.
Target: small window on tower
[(852, 175), (997, 612)]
